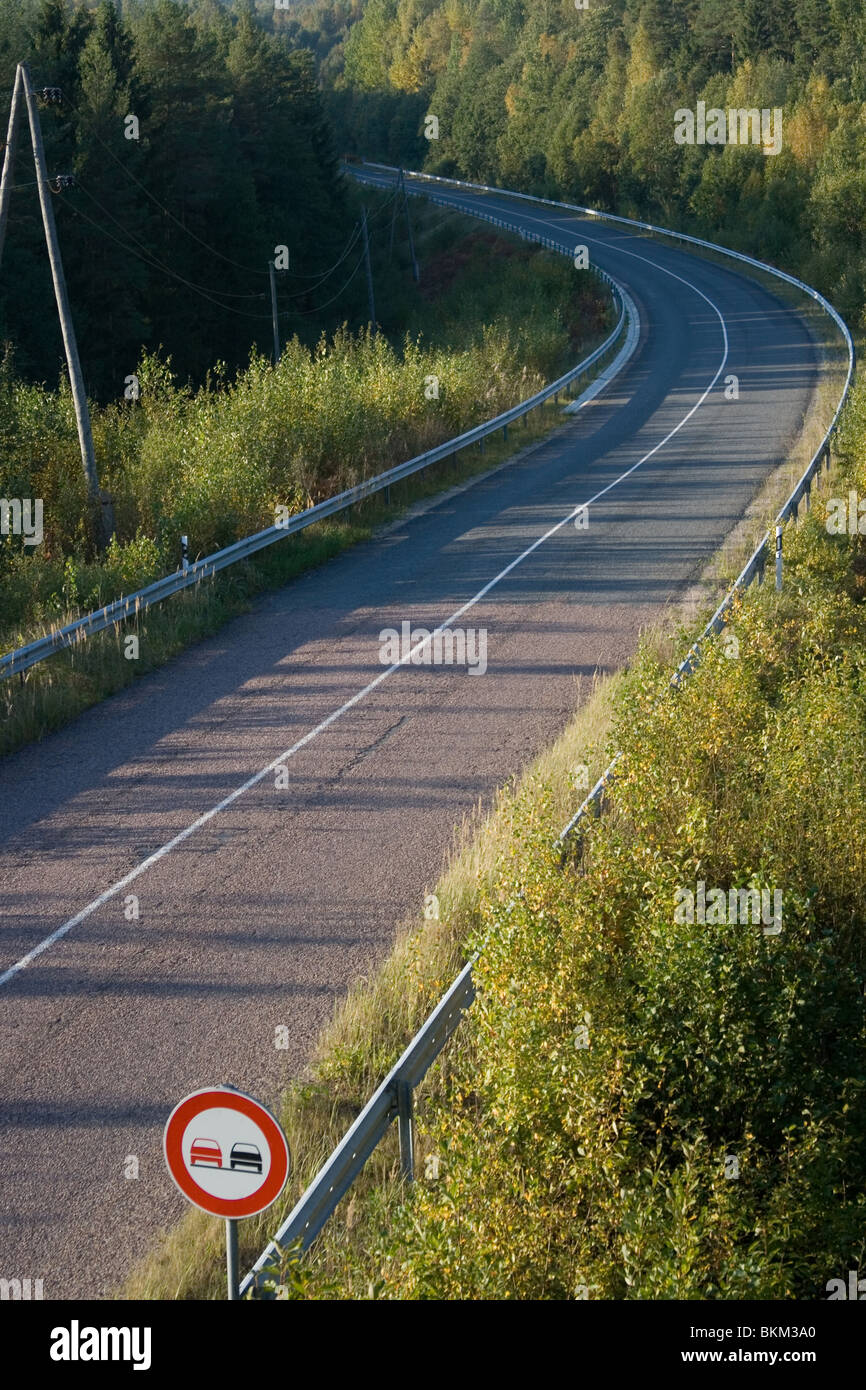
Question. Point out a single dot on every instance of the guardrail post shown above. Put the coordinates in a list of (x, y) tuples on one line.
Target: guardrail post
[(778, 558), (406, 1126), (505, 433), (807, 495), (762, 559)]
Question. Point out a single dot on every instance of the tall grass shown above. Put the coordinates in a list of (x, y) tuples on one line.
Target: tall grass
[(56, 690)]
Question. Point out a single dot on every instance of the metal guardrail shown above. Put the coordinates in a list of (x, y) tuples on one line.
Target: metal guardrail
[(752, 570), (392, 1101), (20, 660)]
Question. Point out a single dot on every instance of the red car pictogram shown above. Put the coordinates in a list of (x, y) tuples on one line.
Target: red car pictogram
[(206, 1153)]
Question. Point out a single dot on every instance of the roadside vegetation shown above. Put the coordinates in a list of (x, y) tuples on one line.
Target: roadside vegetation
[(706, 1141), (215, 463)]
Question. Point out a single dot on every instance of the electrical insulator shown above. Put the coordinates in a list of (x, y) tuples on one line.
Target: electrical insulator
[(52, 96), (61, 181)]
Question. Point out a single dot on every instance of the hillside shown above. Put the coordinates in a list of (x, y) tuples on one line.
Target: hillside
[(580, 104)]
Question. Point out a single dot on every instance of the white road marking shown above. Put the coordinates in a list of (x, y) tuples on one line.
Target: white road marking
[(362, 694)]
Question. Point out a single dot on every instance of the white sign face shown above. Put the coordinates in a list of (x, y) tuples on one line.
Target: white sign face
[(226, 1153)]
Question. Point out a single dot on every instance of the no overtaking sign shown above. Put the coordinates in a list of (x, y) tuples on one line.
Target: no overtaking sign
[(226, 1152)]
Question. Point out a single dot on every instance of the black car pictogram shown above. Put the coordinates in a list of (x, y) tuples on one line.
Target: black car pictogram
[(246, 1158)]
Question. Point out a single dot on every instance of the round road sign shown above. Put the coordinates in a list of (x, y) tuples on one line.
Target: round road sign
[(226, 1152)]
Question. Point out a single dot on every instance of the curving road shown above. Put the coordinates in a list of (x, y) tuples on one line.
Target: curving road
[(259, 906)]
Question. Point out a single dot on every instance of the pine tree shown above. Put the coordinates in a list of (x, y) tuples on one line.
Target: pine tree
[(195, 171), (107, 277)]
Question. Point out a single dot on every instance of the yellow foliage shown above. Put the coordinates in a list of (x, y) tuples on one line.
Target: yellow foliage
[(408, 70), (641, 64), (808, 129)]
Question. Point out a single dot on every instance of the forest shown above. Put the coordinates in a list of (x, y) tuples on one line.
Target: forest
[(166, 239), (178, 223), (240, 106), (579, 104)]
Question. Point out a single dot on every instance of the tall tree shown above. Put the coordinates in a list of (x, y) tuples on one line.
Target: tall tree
[(109, 287)]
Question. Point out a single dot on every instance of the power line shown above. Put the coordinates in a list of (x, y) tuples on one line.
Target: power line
[(351, 242), (353, 237), (166, 211), (230, 294), (77, 212), (197, 289), (371, 217), (319, 307), (250, 270), (320, 277)]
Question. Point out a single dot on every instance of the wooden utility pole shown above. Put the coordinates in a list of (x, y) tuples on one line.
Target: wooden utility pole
[(79, 396), (273, 278), (9, 158), (370, 295)]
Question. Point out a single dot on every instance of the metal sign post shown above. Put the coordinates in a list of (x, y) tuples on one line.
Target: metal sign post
[(228, 1156), (232, 1259)]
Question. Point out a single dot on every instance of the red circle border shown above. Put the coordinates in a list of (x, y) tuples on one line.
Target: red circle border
[(176, 1124)]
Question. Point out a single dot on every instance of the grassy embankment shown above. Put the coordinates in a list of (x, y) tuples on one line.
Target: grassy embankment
[(562, 1169), (214, 464)]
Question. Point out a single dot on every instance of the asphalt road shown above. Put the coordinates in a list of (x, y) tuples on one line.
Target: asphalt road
[(268, 909)]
